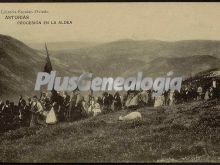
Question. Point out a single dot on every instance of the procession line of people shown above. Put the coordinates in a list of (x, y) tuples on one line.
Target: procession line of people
[(52, 107)]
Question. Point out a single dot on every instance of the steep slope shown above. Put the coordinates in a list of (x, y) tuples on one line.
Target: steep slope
[(19, 65)]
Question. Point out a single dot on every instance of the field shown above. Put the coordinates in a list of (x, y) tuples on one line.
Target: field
[(180, 133)]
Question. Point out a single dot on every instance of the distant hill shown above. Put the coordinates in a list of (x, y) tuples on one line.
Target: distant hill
[(60, 46), (154, 57), (149, 49)]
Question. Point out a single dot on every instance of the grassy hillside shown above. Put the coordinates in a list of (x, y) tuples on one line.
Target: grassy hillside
[(182, 133)]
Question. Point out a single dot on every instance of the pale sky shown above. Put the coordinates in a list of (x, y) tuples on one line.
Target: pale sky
[(113, 21)]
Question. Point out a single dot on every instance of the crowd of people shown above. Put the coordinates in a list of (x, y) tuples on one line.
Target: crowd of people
[(64, 107), (52, 107)]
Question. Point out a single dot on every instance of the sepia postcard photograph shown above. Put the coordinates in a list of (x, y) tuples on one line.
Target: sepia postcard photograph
[(126, 82)]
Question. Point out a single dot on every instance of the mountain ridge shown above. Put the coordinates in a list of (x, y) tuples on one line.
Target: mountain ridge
[(19, 63)]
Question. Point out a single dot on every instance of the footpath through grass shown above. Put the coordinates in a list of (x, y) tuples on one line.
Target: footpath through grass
[(181, 133)]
